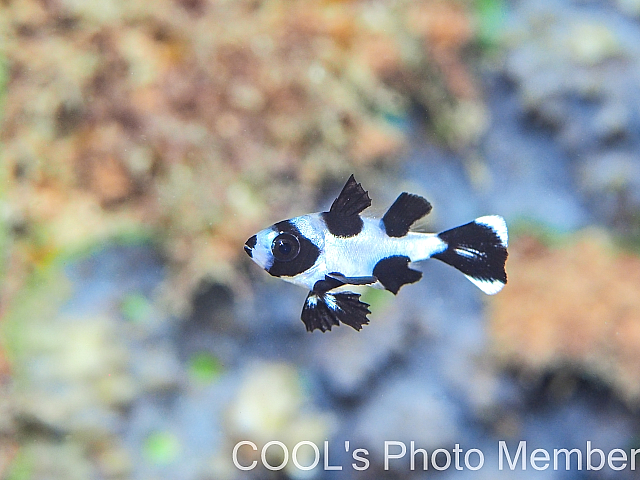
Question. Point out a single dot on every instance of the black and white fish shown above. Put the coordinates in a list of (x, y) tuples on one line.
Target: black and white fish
[(327, 250)]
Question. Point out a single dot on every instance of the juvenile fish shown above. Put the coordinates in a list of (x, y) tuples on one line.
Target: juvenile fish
[(327, 250)]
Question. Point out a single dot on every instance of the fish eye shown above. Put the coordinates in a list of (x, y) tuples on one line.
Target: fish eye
[(285, 247)]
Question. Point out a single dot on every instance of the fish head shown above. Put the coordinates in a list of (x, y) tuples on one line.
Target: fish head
[(287, 248), (259, 247)]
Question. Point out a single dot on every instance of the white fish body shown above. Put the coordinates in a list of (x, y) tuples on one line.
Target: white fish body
[(357, 256), (328, 250)]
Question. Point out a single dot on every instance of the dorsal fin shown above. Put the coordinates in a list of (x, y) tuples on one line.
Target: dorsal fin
[(352, 199), (343, 219), (405, 210)]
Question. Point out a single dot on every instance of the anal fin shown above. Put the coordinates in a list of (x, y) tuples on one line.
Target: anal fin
[(394, 272), (323, 310)]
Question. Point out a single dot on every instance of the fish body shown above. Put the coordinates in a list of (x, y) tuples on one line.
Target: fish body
[(354, 256), (331, 250)]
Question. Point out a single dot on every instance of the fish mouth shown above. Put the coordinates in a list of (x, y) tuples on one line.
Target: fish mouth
[(248, 246)]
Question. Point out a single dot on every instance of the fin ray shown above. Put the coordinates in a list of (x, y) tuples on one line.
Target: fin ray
[(323, 310), (343, 218), (479, 250), (352, 200)]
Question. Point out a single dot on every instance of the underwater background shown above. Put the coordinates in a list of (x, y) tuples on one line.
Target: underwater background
[(141, 144)]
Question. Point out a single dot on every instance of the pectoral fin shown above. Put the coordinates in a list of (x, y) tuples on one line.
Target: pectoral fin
[(352, 280)]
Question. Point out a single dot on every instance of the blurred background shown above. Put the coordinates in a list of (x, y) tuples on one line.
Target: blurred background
[(141, 144)]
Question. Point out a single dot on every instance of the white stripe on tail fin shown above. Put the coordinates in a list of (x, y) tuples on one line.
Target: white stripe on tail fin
[(479, 250), (490, 287), (498, 225)]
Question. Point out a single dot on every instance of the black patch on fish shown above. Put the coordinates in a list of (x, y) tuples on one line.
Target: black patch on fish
[(394, 272), (318, 313), (352, 200), (405, 210), (483, 253), (343, 219), (250, 244), (307, 257)]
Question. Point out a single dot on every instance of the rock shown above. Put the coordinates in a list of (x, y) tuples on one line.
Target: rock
[(404, 409), (608, 172), (7, 409), (571, 67), (272, 403), (591, 43), (612, 121), (630, 7), (115, 462), (49, 459), (247, 97), (350, 360), (611, 183), (76, 377), (157, 368), (269, 404)]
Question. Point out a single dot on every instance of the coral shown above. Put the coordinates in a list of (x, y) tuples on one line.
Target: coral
[(198, 120), (8, 442), (575, 306), (272, 403)]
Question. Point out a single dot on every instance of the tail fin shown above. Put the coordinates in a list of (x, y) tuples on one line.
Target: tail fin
[(479, 250)]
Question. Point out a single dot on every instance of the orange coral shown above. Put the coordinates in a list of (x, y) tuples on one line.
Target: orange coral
[(577, 306), (196, 117), (446, 30)]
